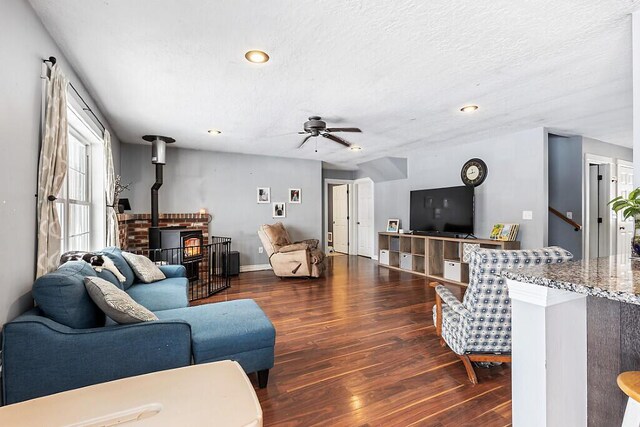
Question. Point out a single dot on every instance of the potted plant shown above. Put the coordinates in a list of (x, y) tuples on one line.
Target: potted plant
[(630, 207)]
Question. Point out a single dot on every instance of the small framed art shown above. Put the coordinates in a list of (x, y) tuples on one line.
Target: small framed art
[(295, 195), (264, 195), (279, 210), (393, 225)]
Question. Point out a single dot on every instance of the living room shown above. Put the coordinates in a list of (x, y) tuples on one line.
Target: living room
[(228, 118)]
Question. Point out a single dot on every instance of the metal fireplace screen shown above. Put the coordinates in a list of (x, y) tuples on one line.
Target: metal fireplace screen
[(205, 264)]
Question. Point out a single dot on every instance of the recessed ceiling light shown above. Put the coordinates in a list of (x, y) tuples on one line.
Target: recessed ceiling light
[(469, 108), (256, 56), (214, 131), (355, 148)]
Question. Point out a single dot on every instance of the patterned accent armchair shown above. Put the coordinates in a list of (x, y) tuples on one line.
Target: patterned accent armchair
[(478, 329), (291, 259)]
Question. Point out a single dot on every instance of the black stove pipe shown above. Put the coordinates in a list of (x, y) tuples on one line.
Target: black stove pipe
[(154, 231), (158, 150)]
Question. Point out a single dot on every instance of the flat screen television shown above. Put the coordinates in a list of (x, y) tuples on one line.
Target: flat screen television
[(442, 210)]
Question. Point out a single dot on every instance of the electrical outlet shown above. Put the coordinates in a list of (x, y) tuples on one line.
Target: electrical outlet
[(260, 249), (570, 215), (527, 214)]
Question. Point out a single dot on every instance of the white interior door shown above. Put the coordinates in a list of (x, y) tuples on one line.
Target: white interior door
[(365, 218), (624, 227), (341, 218)]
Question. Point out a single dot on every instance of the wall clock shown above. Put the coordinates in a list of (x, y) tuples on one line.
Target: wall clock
[(474, 172)]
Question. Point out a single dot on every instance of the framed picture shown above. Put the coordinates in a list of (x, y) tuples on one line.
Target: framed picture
[(329, 237), (264, 195), (279, 210), (393, 225), (295, 195)]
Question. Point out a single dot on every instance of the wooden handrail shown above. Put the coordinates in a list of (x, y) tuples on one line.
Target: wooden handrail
[(566, 219)]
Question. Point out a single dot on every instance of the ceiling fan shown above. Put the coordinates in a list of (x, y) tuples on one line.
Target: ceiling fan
[(316, 127)]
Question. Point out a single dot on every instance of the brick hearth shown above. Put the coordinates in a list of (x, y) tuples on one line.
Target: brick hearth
[(134, 228)]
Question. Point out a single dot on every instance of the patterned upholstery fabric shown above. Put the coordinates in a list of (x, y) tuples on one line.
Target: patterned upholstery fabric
[(481, 323)]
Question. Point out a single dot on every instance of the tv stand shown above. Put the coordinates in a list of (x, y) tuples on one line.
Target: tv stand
[(437, 257)]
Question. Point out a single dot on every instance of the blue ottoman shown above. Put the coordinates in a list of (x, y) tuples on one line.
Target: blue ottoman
[(236, 330)]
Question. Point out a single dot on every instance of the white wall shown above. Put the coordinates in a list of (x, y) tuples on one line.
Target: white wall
[(225, 184), (517, 181), (24, 44)]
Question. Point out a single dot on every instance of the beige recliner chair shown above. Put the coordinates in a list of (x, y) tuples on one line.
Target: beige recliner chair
[(297, 259)]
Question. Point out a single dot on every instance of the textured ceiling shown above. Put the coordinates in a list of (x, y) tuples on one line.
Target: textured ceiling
[(400, 70)]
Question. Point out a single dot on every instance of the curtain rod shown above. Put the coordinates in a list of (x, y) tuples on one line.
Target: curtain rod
[(53, 60)]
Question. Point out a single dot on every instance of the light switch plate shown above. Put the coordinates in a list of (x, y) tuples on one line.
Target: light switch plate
[(527, 214), (569, 214)]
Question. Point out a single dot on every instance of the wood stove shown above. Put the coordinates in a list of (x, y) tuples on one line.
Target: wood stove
[(183, 246)]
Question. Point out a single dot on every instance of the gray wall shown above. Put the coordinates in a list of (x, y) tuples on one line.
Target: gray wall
[(565, 191), (225, 184), (517, 181), (600, 148), (25, 42), (338, 174)]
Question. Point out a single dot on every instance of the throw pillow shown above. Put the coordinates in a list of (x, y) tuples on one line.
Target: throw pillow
[(143, 267), (115, 302)]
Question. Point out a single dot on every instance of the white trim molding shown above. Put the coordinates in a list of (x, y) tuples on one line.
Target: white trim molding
[(254, 267)]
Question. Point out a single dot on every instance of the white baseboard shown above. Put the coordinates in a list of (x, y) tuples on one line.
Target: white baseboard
[(255, 267)]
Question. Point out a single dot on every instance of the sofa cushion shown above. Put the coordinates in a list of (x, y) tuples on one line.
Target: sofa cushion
[(115, 302), (163, 295), (62, 297), (116, 256), (226, 328), (145, 269)]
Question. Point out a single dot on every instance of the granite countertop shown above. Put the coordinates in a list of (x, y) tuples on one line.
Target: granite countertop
[(616, 277)]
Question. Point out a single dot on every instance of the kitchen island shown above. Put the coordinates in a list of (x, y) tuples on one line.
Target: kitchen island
[(575, 327)]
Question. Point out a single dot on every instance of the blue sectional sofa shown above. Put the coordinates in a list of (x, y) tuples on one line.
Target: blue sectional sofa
[(66, 342)]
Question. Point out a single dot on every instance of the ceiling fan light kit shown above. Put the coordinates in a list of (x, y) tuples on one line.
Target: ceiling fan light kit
[(315, 126)]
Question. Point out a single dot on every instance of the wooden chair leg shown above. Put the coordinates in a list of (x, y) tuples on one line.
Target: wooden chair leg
[(438, 313), (469, 367)]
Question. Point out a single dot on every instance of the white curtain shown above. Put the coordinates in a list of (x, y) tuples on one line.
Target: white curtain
[(109, 188), (52, 171)]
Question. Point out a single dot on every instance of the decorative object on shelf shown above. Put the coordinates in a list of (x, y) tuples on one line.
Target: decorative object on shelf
[(474, 172), (118, 188), (505, 232), (295, 195), (264, 195), (630, 207), (279, 210), (123, 205), (329, 237), (393, 225)]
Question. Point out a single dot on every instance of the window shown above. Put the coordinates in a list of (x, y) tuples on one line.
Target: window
[(81, 201), (75, 202)]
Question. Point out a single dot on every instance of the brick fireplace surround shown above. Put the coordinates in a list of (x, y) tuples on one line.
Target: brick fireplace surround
[(134, 228)]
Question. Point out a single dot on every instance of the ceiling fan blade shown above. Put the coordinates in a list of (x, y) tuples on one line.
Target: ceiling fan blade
[(343, 130), (305, 140), (337, 139), (302, 132)]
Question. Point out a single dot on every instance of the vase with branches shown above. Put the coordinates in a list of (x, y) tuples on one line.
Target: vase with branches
[(629, 207), (118, 189)]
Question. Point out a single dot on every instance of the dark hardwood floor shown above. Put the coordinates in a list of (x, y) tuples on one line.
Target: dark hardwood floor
[(358, 348)]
